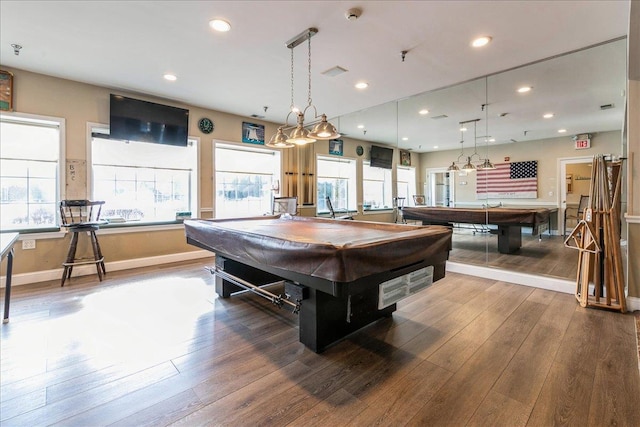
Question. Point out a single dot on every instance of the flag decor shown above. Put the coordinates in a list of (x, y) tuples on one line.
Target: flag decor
[(516, 180)]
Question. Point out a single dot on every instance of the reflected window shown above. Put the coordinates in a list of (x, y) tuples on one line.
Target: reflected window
[(376, 187), (407, 184), (336, 180), (30, 172)]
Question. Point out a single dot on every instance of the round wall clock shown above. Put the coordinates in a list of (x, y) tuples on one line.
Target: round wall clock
[(359, 150), (206, 125)]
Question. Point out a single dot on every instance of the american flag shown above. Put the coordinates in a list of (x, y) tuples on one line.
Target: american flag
[(516, 180)]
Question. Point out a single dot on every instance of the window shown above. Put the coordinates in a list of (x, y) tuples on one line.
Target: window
[(245, 177), (30, 172), (143, 182), (376, 188), (337, 180), (407, 184)]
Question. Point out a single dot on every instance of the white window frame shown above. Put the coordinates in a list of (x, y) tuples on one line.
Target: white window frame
[(277, 173), (148, 226), (351, 184), (411, 186), (387, 184), (60, 123)]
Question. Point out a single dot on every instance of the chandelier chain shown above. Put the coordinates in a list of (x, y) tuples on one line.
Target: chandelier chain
[(292, 103), (309, 50)]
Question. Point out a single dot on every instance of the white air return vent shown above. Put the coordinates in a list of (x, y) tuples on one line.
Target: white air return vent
[(335, 71)]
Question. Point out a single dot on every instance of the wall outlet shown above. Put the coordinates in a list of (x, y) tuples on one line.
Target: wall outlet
[(29, 244)]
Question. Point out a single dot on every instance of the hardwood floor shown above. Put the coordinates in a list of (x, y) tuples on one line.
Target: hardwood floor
[(547, 256), (157, 347)]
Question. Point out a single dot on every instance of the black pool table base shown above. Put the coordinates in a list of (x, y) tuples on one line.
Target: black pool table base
[(324, 319)]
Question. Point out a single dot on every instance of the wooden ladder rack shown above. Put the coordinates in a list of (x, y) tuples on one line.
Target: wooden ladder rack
[(597, 237)]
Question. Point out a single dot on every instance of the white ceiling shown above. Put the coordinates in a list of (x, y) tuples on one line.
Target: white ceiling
[(130, 45)]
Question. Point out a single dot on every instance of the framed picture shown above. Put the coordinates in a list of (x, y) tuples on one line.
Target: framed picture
[(6, 91), (252, 133), (336, 147), (405, 158)]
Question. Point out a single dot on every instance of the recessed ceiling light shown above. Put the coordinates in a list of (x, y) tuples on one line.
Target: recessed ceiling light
[(548, 115), (220, 25), (435, 146), (360, 126), (492, 140), (362, 85), (481, 41), (170, 77), (404, 138), (463, 129), (562, 130), (423, 111), (524, 89)]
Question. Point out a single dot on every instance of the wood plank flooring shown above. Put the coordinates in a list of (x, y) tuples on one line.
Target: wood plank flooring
[(156, 347), (547, 256)]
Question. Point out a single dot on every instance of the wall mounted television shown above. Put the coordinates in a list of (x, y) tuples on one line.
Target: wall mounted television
[(136, 120), (381, 157)]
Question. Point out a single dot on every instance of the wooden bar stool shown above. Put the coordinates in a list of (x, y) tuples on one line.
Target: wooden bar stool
[(80, 216)]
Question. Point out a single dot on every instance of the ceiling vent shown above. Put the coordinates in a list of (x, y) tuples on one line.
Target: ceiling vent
[(441, 116), (606, 106), (257, 116), (335, 71)]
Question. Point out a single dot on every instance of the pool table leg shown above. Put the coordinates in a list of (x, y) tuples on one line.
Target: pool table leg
[(325, 319), (509, 238)]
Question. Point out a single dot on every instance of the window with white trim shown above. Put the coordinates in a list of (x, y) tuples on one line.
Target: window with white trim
[(406, 184), (30, 172), (337, 180), (376, 188), (245, 180), (142, 182)]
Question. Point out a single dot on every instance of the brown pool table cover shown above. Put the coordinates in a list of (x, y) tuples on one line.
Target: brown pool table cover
[(339, 251), (497, 216)]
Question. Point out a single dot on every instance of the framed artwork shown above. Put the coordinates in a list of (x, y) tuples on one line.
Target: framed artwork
[(6, 91), (252, 133), (405, 158), (336, 147)]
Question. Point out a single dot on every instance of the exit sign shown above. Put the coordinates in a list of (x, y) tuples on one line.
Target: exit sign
[(583, 143)]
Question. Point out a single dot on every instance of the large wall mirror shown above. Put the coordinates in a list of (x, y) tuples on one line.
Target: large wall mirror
[(583, 91)]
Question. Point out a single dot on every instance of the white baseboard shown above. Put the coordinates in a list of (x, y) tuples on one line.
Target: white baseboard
[(544, 282), (633, 303), (83, 270)]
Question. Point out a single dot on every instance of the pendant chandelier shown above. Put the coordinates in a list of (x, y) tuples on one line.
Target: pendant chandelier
[(322, 129)]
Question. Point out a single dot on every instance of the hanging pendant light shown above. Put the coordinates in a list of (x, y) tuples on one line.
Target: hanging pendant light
[(300, 136), (453, 167), (324, 130), (279, 140), (468, 167), (486, 165)]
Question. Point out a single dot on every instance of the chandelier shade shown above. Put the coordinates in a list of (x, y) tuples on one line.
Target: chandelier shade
[(279, 140), (324, 130)]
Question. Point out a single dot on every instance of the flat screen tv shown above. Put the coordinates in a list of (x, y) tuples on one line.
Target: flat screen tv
[(136, 120), (381, 157)]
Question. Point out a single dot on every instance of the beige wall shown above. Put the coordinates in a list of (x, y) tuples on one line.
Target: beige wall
[(79, 104), (546, 152)]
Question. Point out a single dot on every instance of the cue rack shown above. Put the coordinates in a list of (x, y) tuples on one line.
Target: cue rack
[(597, 238)]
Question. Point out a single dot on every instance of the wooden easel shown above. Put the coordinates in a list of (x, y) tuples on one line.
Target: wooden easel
[(597, 237)]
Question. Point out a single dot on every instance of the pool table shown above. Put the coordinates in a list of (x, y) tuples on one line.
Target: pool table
[(339, 276), (509, 220)]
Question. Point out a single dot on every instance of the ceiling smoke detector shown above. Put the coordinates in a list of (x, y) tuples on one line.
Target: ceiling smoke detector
[(353, 14)]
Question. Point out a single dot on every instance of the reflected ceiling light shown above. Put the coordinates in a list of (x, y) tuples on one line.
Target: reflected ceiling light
[(404, 138), (362, 85), (170, 77), (423, 112), (524, 89), (548, 115), (463, 128), (562, 130), (435, 147), (492, 140), (360, 126), (481, 41), (322, 128), (220, 25)]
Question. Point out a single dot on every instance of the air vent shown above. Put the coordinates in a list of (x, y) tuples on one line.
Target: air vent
[(606, 106), (335, 71), (441, 116), (257, 116)]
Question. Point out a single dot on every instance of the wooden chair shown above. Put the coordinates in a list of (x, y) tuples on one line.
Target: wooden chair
[(582, 205), (82, 216), (282, 205)]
